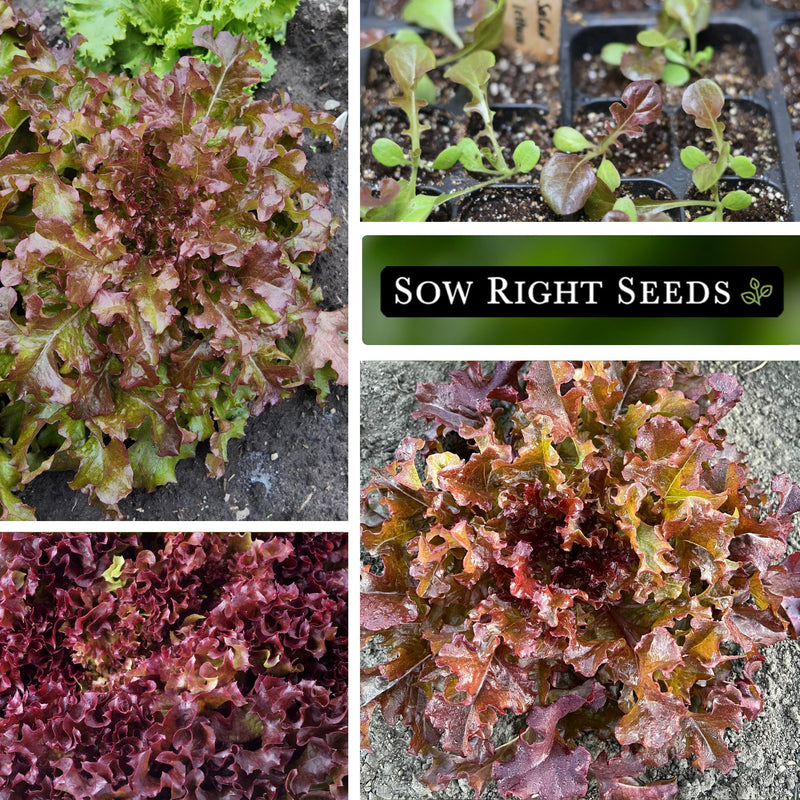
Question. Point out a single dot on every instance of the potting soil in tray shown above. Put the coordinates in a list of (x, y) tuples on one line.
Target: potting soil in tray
[(756, 62)]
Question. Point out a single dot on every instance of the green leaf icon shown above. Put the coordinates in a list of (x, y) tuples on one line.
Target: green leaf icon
[(758, 294)]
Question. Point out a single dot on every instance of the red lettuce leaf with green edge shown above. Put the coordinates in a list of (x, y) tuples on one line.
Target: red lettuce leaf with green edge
[(157, 235), (189, 665), (582, 549)]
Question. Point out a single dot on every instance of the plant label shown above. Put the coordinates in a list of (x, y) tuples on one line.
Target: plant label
[(534, 28)]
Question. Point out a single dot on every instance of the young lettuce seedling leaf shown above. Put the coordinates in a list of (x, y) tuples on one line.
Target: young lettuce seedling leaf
[(388, 153), (435, 15), (473, 71), (641, 104), (486, 33), (608, 173), (705, 101), (570, 140), (568, 180), (526, 156), (408, 62)]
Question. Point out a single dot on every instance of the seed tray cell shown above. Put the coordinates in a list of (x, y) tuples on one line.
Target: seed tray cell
[(744, 33)]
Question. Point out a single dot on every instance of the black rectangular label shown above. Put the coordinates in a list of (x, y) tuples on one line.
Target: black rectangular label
[(560, 291)]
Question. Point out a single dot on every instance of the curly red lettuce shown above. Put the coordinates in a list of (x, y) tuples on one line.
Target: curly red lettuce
[(584, 551), (182, 665)]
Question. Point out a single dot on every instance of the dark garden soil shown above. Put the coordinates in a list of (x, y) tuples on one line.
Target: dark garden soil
[(506, 204), (768, 205), (766, 426), (518, 79), (292, 463)]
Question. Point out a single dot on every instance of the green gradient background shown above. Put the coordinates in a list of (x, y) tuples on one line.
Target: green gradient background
[(736, 252)]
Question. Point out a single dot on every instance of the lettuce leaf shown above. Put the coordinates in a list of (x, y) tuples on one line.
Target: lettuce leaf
[(134, 33)]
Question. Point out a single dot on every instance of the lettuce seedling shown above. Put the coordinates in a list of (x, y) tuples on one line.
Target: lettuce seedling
[(669, 51), (156, 237), (568, 180), (129, 34), (581, 551), (473, 71), (410, 62), (704, 101)]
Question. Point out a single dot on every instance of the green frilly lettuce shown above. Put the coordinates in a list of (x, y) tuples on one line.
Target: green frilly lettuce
[(131, 33)]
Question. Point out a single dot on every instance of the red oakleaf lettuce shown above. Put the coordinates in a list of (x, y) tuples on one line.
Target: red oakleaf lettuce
[(584, 549), (157, 235)]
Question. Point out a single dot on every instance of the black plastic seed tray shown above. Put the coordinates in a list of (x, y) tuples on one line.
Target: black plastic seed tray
[(754, 97)]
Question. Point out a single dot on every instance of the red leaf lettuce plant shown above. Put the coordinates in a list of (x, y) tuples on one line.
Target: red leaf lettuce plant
[(157, 234), (181, 665), (579, 552)]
